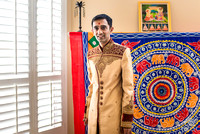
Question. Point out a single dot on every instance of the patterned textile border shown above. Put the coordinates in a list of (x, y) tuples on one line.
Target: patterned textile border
[(85, 50), (166, 81)]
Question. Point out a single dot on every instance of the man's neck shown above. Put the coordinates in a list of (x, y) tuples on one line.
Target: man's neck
[(103, 45)]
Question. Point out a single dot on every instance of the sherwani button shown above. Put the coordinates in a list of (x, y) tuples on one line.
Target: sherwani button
[(101, 92), (101, 103), (101, 87), (101, 98), (101, 82)]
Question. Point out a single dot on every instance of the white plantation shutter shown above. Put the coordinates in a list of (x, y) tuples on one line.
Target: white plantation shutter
[(14, 111), (49, 64), (22, 25), (49, 105), (14, 39), (49, 37), (14, 67)]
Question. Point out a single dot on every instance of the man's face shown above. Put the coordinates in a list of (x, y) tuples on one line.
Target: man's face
[(102, 31)]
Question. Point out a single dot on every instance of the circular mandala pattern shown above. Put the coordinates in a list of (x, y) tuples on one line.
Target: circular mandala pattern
[(154, 104), (166, 77), (161, 91)]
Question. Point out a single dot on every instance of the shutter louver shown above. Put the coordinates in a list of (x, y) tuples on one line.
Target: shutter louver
[(49, 105), (14, 64), (49, 37), (14, 39), (14, 109), (49, 64)]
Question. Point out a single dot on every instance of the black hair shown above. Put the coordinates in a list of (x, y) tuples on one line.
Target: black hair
[(102, 16)]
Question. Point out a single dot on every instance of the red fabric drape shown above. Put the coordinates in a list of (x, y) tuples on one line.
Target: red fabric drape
[(78, 81)]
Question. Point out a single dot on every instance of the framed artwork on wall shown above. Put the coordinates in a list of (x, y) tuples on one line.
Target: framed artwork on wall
[(154, 16)]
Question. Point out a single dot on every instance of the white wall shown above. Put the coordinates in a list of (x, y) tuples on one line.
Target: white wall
[(70, 115), (185, 14)]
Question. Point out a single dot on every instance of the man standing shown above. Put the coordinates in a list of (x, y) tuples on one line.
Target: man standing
[(109, 105)]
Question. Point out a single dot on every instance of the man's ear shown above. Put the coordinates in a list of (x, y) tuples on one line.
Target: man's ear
[(111, 29)]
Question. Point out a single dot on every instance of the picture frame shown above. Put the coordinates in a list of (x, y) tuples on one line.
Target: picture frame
[(154, 16)]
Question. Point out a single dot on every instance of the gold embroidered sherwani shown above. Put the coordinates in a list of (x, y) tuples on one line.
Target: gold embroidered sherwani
[(109, 101)]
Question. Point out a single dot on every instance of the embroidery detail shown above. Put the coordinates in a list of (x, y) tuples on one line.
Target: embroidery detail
[(192, 100), (151, 121), (167, 122), (94, 51), (111, 48), (137, 112), (111, 52), (127, 117), (103, 62), (114, 49)]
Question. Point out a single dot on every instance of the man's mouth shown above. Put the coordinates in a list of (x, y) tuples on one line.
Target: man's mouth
[(101, 36)]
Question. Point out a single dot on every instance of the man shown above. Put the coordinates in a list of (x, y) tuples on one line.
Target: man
[(109, 105)]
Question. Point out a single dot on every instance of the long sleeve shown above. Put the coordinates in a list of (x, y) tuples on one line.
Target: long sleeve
[(127, 85), (88, 98)]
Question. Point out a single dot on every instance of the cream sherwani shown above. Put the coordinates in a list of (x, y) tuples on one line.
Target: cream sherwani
[(109, 101)]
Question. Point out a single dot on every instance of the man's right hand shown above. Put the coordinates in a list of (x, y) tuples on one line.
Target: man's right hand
[(85, 120)]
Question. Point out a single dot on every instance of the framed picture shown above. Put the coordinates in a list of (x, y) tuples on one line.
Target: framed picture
[(154, 16)]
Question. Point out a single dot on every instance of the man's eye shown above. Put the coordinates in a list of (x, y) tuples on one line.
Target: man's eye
[(96, 28), (103, 27)]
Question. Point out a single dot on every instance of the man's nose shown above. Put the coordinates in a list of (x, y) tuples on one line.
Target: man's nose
[(100, 31)]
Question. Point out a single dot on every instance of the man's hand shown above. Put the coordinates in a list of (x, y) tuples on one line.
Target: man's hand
[(127, 130), (85, 120)]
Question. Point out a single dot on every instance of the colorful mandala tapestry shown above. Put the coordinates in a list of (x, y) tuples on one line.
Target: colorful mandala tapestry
[(166, 81)]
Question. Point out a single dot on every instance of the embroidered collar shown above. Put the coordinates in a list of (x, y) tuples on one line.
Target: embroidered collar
[(107, 46)]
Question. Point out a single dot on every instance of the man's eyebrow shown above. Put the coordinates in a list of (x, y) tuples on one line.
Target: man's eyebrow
[(95, 26)]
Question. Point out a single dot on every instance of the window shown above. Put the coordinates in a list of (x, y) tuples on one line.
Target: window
[(31, 75)]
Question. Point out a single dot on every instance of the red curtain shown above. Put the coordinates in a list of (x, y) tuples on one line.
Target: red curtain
[(78, 81)]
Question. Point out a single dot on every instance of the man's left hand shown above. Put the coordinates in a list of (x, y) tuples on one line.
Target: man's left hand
[(127, 130)]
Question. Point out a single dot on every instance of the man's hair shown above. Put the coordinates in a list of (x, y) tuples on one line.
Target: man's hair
[(102, 16)]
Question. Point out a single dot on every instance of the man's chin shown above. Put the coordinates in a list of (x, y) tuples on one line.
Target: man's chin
[(101, 40)]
